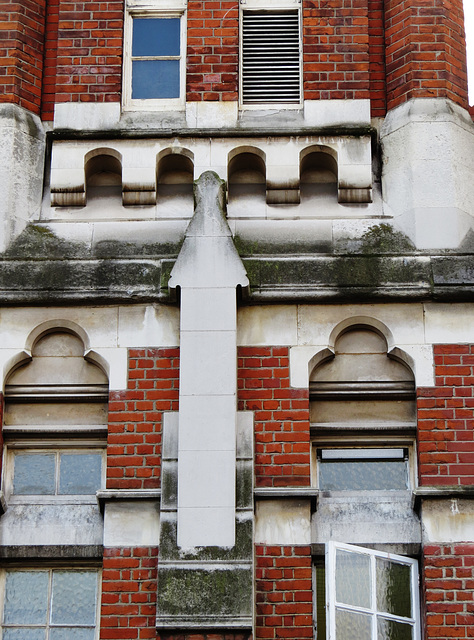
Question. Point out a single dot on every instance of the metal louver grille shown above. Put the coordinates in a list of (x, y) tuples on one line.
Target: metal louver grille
[(270, 57)]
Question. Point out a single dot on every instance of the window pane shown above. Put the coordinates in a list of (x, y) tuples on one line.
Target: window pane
[(34, 474), (79, 473), (24, 633), (353, 579), (71, 633), (352, 626), (393, 630), (155, 37), (26, 597), (74, 597), (155, 79), (363, 476), (393, 588)]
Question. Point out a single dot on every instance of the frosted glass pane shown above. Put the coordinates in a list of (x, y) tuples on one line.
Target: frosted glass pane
[(71, 633), (393, 630), (26, 597), (353, 579), (393, 588), (24, 633), (79, 473), (155, 79), (34, 474), (364, 475), (352, 626), (74, 597), (156, 37)]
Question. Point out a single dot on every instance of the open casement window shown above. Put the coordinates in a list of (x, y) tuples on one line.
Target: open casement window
[(50, 604), (154, 57), (270, 58), (370, 595)]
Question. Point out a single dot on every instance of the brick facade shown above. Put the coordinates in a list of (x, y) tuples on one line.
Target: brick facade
[(135, 418), (281, 414), (129, 582), (449, 591), (446, 419), (284, 597)]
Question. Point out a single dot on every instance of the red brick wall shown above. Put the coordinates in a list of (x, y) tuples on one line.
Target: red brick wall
[(282, 444), (425, 54), (129, 582), (283, 592), (50, 60), (446, 419), (135, 418), (448, 587), (213, 50), (89, 56), (378, 89), (22, 26), (335, 49)]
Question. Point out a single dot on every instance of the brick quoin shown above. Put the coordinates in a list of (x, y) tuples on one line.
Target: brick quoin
[(22, 28), (335, 49), (284, 597), (281, 414), (135, 419), (50, 61), (89, 54), (425, 50), (446, 419), (378, 89), (448, 576), (129, 583), (212, 50)]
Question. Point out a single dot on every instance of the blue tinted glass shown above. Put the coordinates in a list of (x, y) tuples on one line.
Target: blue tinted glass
[(79, 473), (155, 79), (26, 597), (74, 597), (25, 633), (71, 633), (34, 474), (155, 37)]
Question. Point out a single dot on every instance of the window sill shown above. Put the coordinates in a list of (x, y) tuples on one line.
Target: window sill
[(117, 495)]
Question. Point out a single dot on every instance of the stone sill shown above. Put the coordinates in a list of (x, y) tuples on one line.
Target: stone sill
[(119, 495), (443, 492)]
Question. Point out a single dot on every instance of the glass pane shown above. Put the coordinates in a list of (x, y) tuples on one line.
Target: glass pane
[(393, 630), (353, 579), (79, 473), (74, 597), (155, 79), (25, 633), (363, 475), (34, 474), (155, 37), (352, 626), (26, 597), (71, 633), (393, 588)]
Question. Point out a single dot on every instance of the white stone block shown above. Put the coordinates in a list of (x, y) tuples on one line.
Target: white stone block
[(86, 115), (207, 363), (117, 367), (207, 423), (448, 521), (449, 323), (283, 522), (208, 308), (267, 325), (206, 478), (325, 113), (214, 527), (132, 524), (211, 114), (148, 326)]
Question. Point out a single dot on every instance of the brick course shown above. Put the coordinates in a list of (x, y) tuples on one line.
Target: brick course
[(446, 419), (284, 600), (129, 583), (212, 50), (22, 27), (89, 53), (282, 443), (448, 575), (425, 50), (135, 419), (335, 49)]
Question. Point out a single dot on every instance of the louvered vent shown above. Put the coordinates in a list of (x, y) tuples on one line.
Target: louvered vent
[(270, 57)]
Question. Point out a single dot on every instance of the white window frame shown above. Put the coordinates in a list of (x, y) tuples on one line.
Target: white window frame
[(274, 7), (153, 9), (50, 569), (49, 446), (331, 603)]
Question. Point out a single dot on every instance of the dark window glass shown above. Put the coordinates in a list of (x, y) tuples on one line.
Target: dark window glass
[(155, 37), (153, 79)]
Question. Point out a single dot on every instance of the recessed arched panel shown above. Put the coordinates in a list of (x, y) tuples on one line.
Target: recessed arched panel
[(246, 173), (174, 178), (318, 172), (103, 170)]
